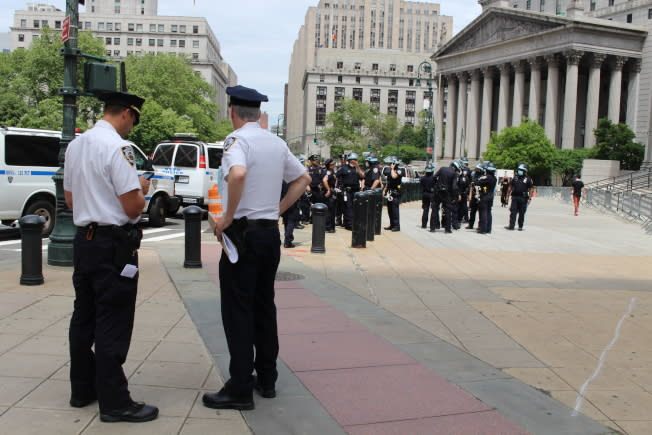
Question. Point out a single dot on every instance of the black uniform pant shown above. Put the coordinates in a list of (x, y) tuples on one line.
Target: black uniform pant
[(463, 209), (290, 219), (348, 209), (429, 206), (393, 211), (486, 219), (304, 208), (249, 312), (330, 216), (339, 208), (448, 210), (473, 209), (103, 315), (519, 207)]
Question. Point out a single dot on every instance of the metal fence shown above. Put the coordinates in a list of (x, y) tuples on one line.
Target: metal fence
[(636, 206)]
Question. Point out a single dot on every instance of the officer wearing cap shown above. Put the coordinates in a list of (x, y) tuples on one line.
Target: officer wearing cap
[(350, 176), (329, 194), (339, 192), (316, 173), (427, 182), (520, 190), (106, 196), (254, 165), (393, 194)]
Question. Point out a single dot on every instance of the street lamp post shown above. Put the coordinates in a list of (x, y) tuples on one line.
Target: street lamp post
[(279, 118), (426, 68)]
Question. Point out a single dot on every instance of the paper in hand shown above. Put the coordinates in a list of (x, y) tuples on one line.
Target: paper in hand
[(229, 248)]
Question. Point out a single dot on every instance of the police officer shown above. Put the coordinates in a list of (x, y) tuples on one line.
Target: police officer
[(350, 176), (372, 174), (520, 190), (478, 172), (486, 186), (304, 202), (316, 173), (106, 196), (427, 182), (463, 185), (251, 221), (329, 194), (339, 193), (447, 193), (392, 192), (290, 219)]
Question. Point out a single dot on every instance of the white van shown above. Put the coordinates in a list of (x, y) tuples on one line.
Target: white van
[(29, 158), (193, 164)]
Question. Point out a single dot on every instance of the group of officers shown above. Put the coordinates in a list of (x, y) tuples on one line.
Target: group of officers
[(461, 194)]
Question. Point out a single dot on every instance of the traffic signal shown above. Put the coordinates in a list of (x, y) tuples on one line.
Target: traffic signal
[(314, 141), (99, 77)]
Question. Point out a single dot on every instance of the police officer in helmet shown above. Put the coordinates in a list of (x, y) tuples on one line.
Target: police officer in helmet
[(427, 182), (464, 185), (520, 190), (316, 173), (372, 174), (392, 193), (329, 194), (350, 176), (447, 193), (487, 186)]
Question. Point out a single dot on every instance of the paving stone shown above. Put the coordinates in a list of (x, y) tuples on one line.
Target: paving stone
[(170, 374), (161, 426), (180, 352), (14, 389), (198, 426), (40, 366), (26, 421), (171, 402)]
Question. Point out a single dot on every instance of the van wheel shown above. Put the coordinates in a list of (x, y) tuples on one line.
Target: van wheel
[(173, 212), (157, 212), (45, 209)]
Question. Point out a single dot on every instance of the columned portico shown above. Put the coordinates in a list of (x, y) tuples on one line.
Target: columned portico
[(460, 122), (503, 96), (439, 122), (519, 92), (552, 93), (472, 121), (632, 94), (487, 107), (535, 88), (570, 98), (593, 99), (615, 86), (450, 117)]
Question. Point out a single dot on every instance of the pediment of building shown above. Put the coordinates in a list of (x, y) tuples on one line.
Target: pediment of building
[(498, 25)]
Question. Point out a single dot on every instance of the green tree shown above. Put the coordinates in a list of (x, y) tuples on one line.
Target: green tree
[(223, 128), (406, 153), (526, 143), (616, 142), (568, 163)]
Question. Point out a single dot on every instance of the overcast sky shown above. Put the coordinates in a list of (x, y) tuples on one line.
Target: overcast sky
[(256, 36)]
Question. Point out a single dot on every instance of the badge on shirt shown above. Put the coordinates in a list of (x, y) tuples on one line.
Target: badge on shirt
[(375, 170), (128, 154), (228, 142)]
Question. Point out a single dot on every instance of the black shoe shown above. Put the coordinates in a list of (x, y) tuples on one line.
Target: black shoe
[(423, 226), (387, 228), (268, 392), (288, 245), (223, 400), (448, 231), (432, 230), (395, 229), (456, 228), (134, 413), (520, 229), (331, 231), (469, 227), (299, 227), (80, 402), (509, 228)]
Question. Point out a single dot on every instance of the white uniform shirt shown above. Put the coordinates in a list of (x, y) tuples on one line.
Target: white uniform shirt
[(99, 168), (268, 161)]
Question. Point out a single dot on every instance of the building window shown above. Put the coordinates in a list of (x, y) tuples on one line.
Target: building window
[(174, 28), (173, 42), (109, 27), (374, 67), (21, 37), (182, 28), (116, 41), (528, 5), (340, 64), (357, 65), (100, 26), (357, 94), (195, 56), (182, 43), (392, 67), (130, 41), (159, 42), (107, 41), (322, 78), (44, 23), (339, 96), (374, 99), (375, 80), (37, 24), (320, 117), (139, 42), (57, 24), (118, 27), (116, 53), (649, 14), (393, 81), (152, 27), (629, 18), (410, 68), (611, 2), (195, 29), (411, 82), (542, 6), (139, 27), (130, 27), (23, 23), (152, 42), (339, 79), (195, 43), (87, 25), (161, 28), (357, 79)]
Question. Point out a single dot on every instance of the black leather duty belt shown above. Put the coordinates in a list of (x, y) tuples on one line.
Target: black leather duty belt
[(261, 224)]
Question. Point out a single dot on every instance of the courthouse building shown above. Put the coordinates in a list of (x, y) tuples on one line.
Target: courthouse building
[(565, 64), (368, 50), (134, 27)]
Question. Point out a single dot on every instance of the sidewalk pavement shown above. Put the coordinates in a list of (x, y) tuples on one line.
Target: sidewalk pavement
[(418, 333)]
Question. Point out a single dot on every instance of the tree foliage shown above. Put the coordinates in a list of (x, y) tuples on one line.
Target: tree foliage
[(616, 142), (568, 163), (526, 143), (406, 153)]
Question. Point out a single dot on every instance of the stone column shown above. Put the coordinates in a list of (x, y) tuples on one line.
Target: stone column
[(615, 89), (487, 107), (570, 100), (632, 94), (519, 92), (535, 89), (472, 117), (552, 92), (439, 122), (593, 100), (450, 116), (460, 136), (503, 96)]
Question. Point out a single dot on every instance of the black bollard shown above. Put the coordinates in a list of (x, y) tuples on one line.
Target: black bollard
[(319, 212), (359, 233), (192, 215), (379, 211), (31, 233), (371, 215)]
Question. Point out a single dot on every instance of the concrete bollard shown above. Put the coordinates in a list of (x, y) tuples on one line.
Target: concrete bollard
[(359, 233), (371, 214), (31, 233), (379, 211), (319, 212), (192, 216)]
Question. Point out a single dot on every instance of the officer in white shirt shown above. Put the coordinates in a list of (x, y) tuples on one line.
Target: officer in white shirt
[(254, 165), (106, 196)]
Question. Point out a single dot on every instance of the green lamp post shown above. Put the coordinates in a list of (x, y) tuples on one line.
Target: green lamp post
[(426, 68)]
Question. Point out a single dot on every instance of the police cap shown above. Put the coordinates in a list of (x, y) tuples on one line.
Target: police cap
[(242, 96), (328, 162), (124, 99), (313, 157)]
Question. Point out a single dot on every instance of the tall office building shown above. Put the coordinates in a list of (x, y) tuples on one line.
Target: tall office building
[(368, 50), (133, 27)]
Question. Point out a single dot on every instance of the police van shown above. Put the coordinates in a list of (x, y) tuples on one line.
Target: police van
[(193, 164), (29, 158)]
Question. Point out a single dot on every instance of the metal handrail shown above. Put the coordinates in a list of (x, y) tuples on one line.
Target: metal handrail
[(625, 183)]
